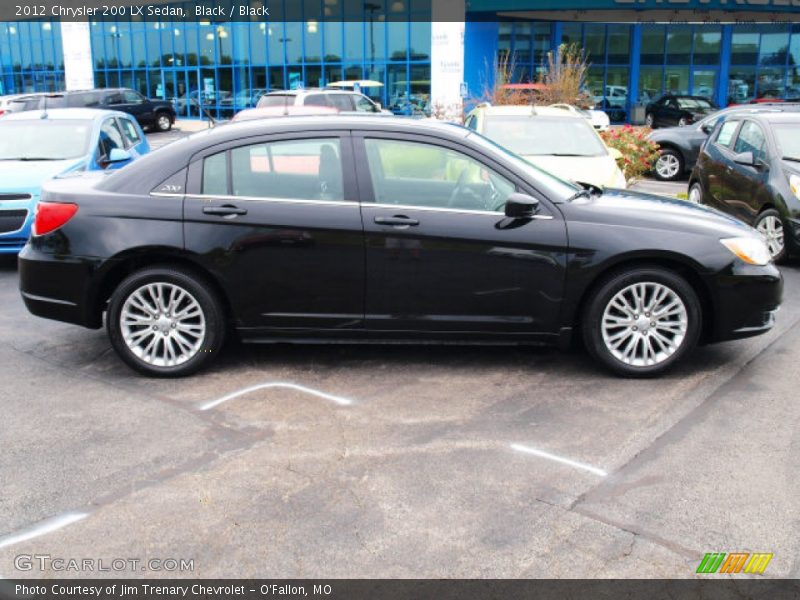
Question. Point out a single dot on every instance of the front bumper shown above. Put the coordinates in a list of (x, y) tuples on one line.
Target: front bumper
[(13, 237), (747, 300)]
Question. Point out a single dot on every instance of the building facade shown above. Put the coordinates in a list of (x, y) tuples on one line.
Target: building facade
[(730, 52)]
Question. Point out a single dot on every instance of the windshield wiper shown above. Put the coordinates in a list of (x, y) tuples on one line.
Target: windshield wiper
[(34, 158), (791, 158)]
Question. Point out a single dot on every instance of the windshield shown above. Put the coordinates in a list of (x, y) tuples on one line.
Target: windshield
[(788, 136), (545, 136), (552, 186), (44, 139), (694, 103)]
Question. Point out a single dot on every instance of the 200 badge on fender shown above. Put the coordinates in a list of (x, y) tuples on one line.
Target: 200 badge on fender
[(359, 229)]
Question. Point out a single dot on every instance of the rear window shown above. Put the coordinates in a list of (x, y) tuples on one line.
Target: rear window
[(83, 100), (276, 100)]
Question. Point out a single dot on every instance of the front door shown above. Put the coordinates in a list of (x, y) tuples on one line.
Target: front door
[(277, 221), (441, 255), (747, 182)]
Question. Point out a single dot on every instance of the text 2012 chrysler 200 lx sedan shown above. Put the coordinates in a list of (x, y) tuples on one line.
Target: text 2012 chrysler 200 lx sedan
[(364, 230)]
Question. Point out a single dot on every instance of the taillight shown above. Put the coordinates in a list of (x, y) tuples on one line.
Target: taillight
[(52, 215)]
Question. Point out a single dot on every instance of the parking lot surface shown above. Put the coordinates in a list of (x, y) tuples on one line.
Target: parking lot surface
[(413, 461)]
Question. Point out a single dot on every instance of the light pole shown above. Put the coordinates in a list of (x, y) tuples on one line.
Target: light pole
[(371, 7)]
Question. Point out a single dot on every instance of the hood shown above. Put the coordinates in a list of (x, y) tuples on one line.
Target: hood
[(601, 171), (28, 175), (617, 207)]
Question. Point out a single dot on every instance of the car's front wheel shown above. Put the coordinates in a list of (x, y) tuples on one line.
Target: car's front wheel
[(165, 321), (770, 225), (163, 122), (650, 121), (669, 165), (640, 322), (696, 193)]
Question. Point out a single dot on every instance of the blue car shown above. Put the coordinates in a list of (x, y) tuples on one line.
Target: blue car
[(39, 145)]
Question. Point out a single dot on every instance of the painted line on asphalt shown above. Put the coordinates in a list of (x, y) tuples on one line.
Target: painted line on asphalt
[(42, 528), (279, 385), (560, 459)]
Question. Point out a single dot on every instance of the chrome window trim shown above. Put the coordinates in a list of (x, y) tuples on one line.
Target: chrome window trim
[(227, 198), (463, 211)]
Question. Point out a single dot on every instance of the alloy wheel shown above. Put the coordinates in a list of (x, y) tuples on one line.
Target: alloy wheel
[(162, 324), (164, 123), (771, 228), (668, 166), (696, 194), (644, 324)]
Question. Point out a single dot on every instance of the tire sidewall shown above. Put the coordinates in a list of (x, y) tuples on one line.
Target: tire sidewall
[(698, 186), (209, 304), (159, 117), (593, 315), (650, 121)]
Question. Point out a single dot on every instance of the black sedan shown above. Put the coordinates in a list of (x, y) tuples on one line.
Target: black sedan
[(679, 111), (680, 146), (750, 168), (314, 229)]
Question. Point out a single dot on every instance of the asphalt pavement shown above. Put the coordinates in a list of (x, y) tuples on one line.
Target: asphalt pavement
[(338, 461)]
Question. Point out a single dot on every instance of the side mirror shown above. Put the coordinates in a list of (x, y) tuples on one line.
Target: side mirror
[(707, 128), (745, 158), (118, 155), (521, 206)]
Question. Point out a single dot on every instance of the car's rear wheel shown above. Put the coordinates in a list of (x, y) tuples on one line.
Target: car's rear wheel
[(163, 122), (165, 322), (770, 225), (641, 322), (669, 165), (650, 121), (696, 193)]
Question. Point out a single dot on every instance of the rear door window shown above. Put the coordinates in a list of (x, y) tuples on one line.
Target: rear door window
[(341, 101), (316, 100)]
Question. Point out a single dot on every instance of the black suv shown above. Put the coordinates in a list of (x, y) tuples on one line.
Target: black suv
[(153, 114), (750, 168)]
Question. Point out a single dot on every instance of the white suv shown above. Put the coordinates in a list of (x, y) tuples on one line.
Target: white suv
[(344, 101)]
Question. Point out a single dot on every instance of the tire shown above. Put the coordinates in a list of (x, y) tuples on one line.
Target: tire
[(630, 346), (650, 121), (669, 166), (696, 193), (142, 341), (163, 122), (771, 226)]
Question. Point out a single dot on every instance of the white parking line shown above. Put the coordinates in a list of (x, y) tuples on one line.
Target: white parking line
[(566, 461), (42, 528), (281, 385)]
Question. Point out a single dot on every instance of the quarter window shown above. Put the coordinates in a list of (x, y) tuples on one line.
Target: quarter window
[(725, 135), (751, 139), (418, 174), (297, 169)]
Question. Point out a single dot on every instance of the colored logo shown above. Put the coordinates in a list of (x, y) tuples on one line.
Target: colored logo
[(735, 562)]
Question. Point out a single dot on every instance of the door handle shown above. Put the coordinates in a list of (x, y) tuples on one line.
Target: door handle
[(226, 210), (398, 221)]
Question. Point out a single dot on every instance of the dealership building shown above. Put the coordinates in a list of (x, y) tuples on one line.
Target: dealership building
[(426, 57)]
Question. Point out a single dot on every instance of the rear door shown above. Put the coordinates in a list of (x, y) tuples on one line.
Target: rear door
[(277, 220), (441, 255)]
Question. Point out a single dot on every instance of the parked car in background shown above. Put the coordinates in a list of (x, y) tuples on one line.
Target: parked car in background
[(680, 111), (615, 96), (553, 139), (597, 118), (13, 103), (359, 229), (750, 168), (680, 146), (343, 100), (248, 98), (37, 146), (153, 114)]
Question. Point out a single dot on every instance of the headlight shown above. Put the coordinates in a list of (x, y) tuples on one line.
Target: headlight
[(751, 250), (794, 184)]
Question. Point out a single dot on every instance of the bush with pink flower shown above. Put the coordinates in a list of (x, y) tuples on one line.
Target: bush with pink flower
[(639, 154)]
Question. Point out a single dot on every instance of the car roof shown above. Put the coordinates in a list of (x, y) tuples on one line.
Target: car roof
[(308, 91), (776, 117), (54, 114), (526, 110)]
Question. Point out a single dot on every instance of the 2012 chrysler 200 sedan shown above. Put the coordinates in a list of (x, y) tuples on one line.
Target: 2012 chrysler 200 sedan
[(365, 230)]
